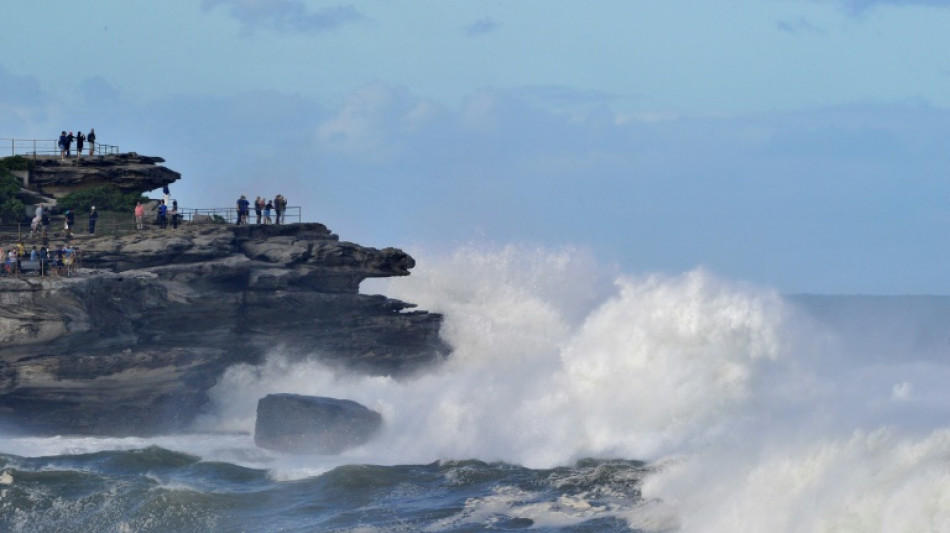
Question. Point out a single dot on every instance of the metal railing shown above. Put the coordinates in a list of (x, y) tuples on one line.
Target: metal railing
[(107, 224), (112, 223), (55, 264), (50, 148), (229, 215)]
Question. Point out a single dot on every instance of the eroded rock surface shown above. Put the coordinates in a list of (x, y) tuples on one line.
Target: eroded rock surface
[(128, 171), (132, 344)]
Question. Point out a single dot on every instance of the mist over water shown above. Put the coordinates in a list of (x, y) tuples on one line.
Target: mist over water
[(755, 411), (554, 360)]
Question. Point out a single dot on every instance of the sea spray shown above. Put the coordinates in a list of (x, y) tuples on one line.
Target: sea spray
[(877, 481), (649, 365), (756, 412)]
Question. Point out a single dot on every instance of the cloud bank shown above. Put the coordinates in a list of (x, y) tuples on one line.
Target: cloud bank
[(286, 15)]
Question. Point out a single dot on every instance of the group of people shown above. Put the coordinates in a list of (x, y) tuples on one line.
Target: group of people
[(40, 223), (164, 213), (263, 209), (57, 260), (66, 143), (39, 226)]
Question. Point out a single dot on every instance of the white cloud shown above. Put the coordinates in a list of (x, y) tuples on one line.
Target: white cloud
[(287, 15)]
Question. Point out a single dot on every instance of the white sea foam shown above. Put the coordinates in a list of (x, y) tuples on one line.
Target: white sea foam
[(756, 415), (759, 417), (555, 359)]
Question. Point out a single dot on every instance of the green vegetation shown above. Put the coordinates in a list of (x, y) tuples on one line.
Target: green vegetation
[(12, 209), (104, 197), (16, 162)]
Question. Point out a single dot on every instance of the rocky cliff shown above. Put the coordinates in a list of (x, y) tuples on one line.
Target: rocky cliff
[(132, 344), (130, 172)]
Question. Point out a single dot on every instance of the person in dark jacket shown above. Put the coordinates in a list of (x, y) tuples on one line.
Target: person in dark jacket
[(70, 220), (163, 215), (280, 205), (243, 207), (93, 217)]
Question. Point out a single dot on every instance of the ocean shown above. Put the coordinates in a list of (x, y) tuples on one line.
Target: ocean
[(578, 398)]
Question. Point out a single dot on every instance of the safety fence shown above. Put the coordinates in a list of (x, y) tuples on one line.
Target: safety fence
[(229, 215), (56, 262), (113, 223), (49, 148), (65, 255)]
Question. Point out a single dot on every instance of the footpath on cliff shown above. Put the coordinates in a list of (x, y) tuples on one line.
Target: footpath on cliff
[(132, 343)]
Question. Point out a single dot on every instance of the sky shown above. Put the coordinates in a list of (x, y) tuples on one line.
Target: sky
[(800, 145)]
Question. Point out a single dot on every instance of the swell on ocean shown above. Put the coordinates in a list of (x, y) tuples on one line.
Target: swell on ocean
[(578, 397)]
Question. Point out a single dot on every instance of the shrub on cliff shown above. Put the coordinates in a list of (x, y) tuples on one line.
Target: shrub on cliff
[(104, 197), (12, 209), (16, 162)]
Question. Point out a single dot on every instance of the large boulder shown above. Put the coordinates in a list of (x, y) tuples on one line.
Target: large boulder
[(313, 424)]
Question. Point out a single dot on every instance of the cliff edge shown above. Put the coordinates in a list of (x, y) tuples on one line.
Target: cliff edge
[(133, 343)]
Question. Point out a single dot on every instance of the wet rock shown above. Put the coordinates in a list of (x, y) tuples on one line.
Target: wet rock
[(313, 424)]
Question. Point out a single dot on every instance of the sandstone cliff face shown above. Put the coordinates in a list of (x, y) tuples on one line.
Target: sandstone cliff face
[(132, 345), (129, 171)]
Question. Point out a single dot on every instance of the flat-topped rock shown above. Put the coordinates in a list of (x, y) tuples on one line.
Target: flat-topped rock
[(129, 172)]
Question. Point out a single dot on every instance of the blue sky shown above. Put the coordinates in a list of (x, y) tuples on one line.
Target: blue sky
[(796, 144)]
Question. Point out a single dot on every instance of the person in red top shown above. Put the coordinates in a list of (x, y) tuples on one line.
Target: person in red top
[(139, 215)]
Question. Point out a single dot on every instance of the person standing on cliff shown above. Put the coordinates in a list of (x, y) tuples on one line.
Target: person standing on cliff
[(93, 217), (44, 260), (70, 220), (163, 215), (280, 205), (92, 140), (69, 143), (258, 207), (79, 140), (174, 214), (62, 145), (268, 207), (20, 254), (243, 207), (44, 220), (139, 215), (35, 223)]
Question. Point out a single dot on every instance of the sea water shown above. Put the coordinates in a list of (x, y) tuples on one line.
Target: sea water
[(577, 398)]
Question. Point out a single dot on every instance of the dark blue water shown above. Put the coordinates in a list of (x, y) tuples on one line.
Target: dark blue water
[(154, 489), (756, 413)]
